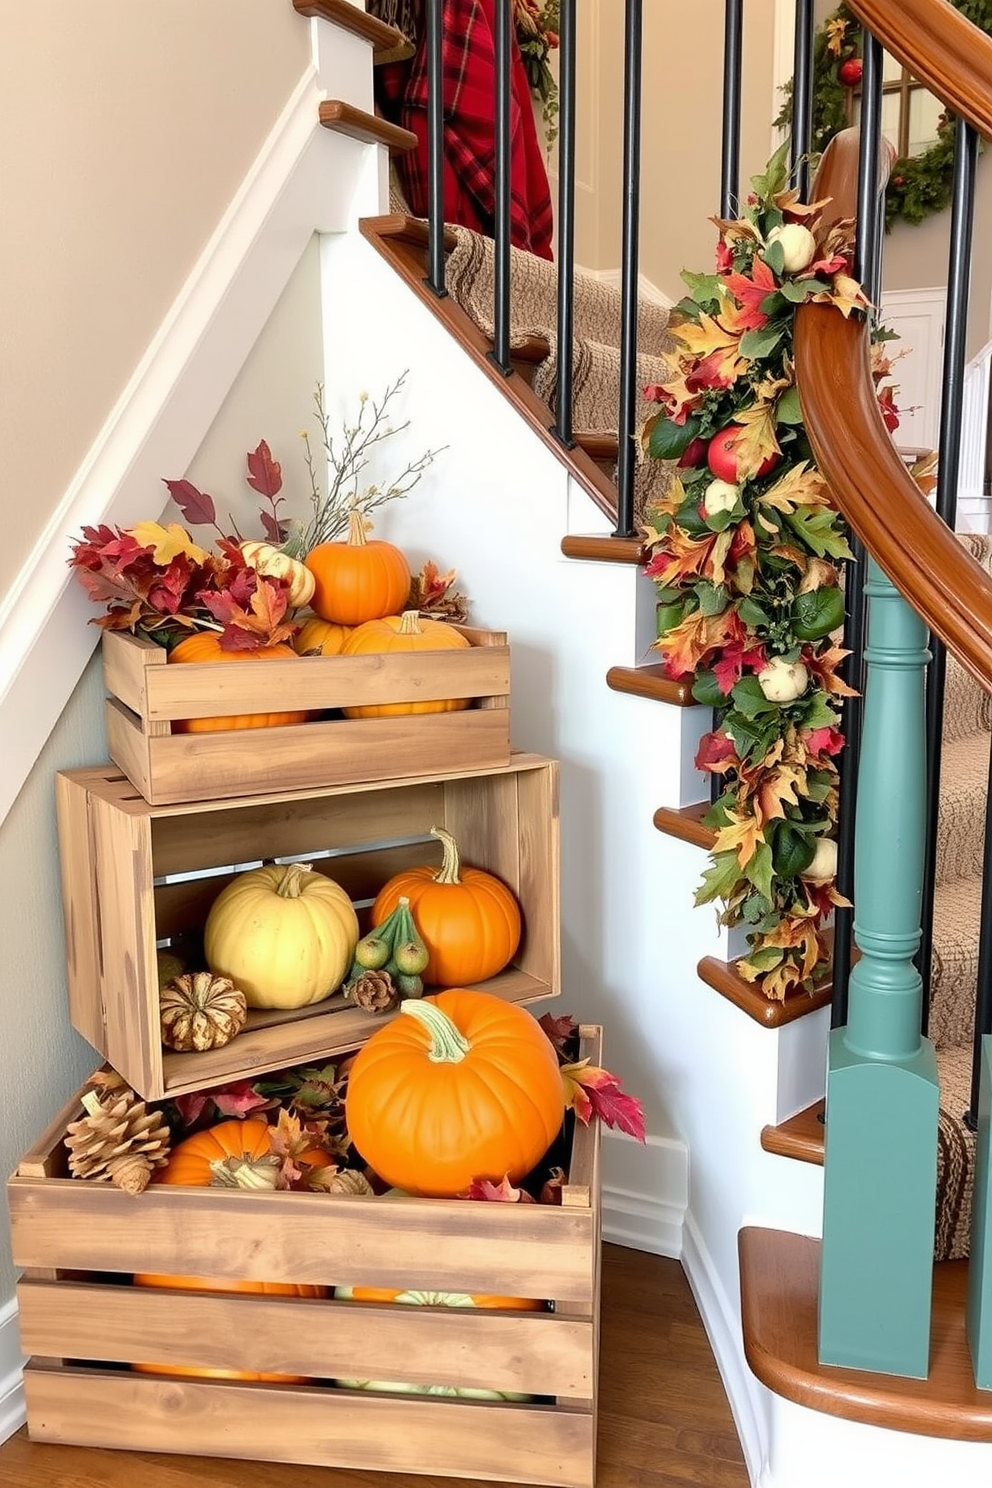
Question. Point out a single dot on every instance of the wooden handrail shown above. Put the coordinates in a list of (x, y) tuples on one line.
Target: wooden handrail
[(854, 451), (941, 48)]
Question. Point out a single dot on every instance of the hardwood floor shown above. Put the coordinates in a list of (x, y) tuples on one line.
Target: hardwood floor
[(664, 1420)]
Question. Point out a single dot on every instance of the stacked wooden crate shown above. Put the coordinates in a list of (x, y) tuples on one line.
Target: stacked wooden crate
[(145, 848)]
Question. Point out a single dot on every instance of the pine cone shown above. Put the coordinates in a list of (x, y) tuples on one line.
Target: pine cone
[(374, 991), (118, 1139), (201, 1011)]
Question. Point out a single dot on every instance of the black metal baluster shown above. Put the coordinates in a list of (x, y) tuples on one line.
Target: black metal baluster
[(802, 98), (948, 471), (867, 270), (633, 30), (562, 427), (730, 151), (500, 353), (435, 152)]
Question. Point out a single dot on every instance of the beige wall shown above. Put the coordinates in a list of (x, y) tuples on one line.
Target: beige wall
[(125, 126), (681, 119)]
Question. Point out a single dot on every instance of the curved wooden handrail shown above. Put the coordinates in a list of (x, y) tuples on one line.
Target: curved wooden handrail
[(855, 453), (941, 48)]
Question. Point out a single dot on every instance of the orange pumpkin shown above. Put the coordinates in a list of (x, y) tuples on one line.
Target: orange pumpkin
[(397, 633), (464, 1086), (359, 579), (468, 918), (204, 645), (234, 1154), (320, 635)]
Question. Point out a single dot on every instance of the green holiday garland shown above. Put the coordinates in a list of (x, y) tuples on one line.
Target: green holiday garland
[(918, 185)]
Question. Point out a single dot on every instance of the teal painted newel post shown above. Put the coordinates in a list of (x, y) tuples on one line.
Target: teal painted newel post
[(979, 1310), (880, 1159)]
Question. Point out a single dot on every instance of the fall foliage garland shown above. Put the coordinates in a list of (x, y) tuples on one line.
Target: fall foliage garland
[(745, 553)]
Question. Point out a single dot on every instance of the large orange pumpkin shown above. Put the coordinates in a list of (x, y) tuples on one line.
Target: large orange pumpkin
[(468, 919), (398, 633), (204, 645), (436, 1299), (358, 579), (465, 1086), (234, 1154)]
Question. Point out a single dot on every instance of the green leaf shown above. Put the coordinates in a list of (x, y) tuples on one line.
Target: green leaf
[(787, 409), (669, 440), (818, 712), (704, 288), (774, 256), (712, 598), (759, 870), (818, 527), (755, 908), (766, 959), (794, 849), (689, 519), (798, 290), (706, 690), (761, 343), (667, 616), (749, 698), (753, 615), (751, 740), (720, 880), (817, 613), (776, 173)]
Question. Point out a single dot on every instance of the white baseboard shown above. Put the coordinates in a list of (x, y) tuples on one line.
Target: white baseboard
[(645, 1191), (723, 1330), (11, 1372)]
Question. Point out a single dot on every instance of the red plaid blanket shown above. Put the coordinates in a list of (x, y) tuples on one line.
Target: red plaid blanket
[(468, 65)]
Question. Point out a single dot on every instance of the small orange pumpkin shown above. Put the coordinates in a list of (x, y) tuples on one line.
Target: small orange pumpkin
[(320, 635), (204, 645), (468, 919), (397, 633), (465, 1086), (234, 1154), (359, 579)]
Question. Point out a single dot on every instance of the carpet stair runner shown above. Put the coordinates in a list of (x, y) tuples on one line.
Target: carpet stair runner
[(968, 710)]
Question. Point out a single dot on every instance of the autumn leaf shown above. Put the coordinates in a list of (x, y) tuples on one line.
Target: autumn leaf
[(501, 1193), (196, 506), (778, 789), (591, 1091), (260, 622), (167, 543), (743, 836), (681, 556), (708, 337), (236, 1100), (801, 485), (264, 473), (749, 293), (687, 645), (844, 292), (560, 1029), (552, 1186), (758, 439)]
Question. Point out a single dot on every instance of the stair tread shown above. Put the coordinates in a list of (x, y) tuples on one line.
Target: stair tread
[(604, 548), (779, 1274), (800, 1137), (652, 681), (346, 118), (725, 979), (686, 823), (386, 40)]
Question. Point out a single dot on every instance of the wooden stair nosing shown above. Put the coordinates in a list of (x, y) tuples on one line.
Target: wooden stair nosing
[(399, 239), (595, 548), (801, 1137), (345, 118), (686, 823), (385, 39), (723, 978), (779, 1274), (651, 681)]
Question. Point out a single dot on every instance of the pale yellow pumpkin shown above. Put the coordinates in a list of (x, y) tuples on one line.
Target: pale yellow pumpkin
[(273, 563), (283, 934)]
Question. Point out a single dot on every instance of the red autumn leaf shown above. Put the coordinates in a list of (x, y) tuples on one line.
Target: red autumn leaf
[(591, 1091), (551, 1187), (559, 1030), (724, 257), (502, 1192), (749, 294), (264, 473), (196, 506), (239, 1098), (716, 752), (729, 667), (824, 741)]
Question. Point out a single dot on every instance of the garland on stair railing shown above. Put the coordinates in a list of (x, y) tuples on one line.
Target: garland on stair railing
[(745, 553), (918, 185)]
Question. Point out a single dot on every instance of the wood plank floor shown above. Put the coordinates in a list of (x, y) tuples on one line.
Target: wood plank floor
[(664, 1419)]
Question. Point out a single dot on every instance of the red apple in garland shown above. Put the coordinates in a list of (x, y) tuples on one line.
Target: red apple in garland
[(721, 456), (850, 70), (694, 454)]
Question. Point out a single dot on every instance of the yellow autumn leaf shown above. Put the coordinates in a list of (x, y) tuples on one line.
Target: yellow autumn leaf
[(801, 485), (778, 790), (709, 337), (167, 542), (743, 836), (758, 440), (846, 293)]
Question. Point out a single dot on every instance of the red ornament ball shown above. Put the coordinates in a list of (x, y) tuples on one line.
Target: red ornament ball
[(850, 70)]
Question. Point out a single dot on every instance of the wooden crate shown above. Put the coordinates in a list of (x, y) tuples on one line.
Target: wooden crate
[(146, 695), (78, 1241), (135, 876)]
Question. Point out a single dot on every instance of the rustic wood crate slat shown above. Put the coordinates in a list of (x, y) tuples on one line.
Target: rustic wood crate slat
[(78, 1241), (117, 853), (146, 695)]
